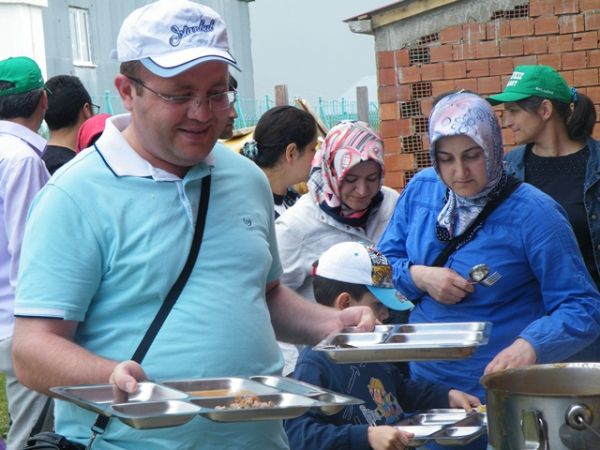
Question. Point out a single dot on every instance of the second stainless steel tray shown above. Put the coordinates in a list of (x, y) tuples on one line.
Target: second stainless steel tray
[(444, 426), (410, 342)]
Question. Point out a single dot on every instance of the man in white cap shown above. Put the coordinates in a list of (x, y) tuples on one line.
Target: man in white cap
[(109, 235)]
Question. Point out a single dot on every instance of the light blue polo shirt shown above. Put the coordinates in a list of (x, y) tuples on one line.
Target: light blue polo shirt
[(106, 239)]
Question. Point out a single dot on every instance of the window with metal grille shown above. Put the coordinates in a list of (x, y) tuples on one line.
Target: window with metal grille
[(408, 175), (421, 90), (422, 160), (420, 124), (410, 109), (433, 37), (515, 13), (411, 144), (419, 55), (79, 26)]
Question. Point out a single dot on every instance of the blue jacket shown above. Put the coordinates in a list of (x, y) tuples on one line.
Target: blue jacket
[(545, 295), (385, 392), (515, 164)]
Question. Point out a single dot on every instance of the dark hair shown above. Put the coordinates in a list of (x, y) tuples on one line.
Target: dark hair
[(279, 127), (18, 105), (327, 290), (66, 98), (233, 84), (579, 121), (132, 69)]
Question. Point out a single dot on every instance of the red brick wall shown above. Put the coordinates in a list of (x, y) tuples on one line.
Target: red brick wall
[(480, 57)]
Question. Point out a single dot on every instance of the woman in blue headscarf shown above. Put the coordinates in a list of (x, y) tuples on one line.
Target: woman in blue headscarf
[(543, 308)]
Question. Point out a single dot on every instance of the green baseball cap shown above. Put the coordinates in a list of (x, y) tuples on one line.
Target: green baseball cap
[(530, 81), (23, 73)]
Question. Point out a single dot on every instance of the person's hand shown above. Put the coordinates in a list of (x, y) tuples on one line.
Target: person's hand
[(520, 353), (385, 437), (126, 375), (460, 399), (441, 283), (361, 317)]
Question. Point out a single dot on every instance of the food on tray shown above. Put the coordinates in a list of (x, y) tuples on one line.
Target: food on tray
[(481, 409), (247, 402)]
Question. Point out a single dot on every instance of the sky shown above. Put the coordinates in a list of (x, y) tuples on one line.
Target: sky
[(306, 45)]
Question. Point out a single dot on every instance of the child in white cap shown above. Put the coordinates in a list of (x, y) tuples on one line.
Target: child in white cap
[(351, 274)]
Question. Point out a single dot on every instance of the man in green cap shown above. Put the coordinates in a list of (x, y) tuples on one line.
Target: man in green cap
[(23, 102)]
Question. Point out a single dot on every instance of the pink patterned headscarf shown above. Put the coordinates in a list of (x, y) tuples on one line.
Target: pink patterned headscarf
[(346, 145)]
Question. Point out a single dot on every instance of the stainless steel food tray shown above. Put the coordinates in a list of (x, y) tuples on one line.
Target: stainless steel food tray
[(173, 403), (406, 342), (444, 426)]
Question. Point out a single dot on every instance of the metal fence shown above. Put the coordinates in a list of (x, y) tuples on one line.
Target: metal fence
[(249, 111)]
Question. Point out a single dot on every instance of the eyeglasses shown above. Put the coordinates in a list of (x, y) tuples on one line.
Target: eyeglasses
[(216, 102), (95, 108)]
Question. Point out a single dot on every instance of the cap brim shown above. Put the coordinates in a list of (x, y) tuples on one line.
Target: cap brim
[(388, 297), (172, 64), (505, 97)]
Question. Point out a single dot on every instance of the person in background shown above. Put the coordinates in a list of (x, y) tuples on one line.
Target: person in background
[(118, 259), (23, 102), (538, 314), (90, 131), (69, 105), (349, 274), (553, 126), (285, 140), (228, 131), (346, 201)]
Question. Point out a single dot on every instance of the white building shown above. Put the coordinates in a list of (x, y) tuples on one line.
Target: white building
[(76, 37)]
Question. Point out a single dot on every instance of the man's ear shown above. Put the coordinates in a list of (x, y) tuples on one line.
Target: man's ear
[(43, 103), (342, 301), (125, 87)]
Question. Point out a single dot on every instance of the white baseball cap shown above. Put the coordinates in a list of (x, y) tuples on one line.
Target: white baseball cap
[(359, 263), (172, 36)]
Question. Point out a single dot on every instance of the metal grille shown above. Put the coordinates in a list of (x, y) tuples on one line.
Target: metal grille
[(420, 125), (518, 11), (410, 109), (408, 175), (433, 37), (422, 160), (421, 90), (419, 55), (411, 144)]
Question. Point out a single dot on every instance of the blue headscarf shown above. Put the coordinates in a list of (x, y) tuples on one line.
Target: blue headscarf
[(467, 114)]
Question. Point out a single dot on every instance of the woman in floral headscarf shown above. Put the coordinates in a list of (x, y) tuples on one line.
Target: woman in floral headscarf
[(543, 308), (346, 201)]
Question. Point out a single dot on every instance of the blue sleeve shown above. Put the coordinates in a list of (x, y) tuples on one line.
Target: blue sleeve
[(317, 431), (415, 395), (393, 245), (571, 300)]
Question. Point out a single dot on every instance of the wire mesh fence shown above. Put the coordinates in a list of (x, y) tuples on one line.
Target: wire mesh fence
[(249, 111)]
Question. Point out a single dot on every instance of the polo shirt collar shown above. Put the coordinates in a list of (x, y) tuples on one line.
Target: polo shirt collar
[(34, 140), (124, 161)]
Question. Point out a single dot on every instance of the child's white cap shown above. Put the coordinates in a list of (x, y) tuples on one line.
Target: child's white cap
[(358, 263)]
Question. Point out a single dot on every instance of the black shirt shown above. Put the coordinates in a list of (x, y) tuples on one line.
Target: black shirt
[(55, 156), (563, 179)]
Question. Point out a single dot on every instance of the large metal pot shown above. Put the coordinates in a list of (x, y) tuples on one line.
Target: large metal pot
[(545, 407)]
